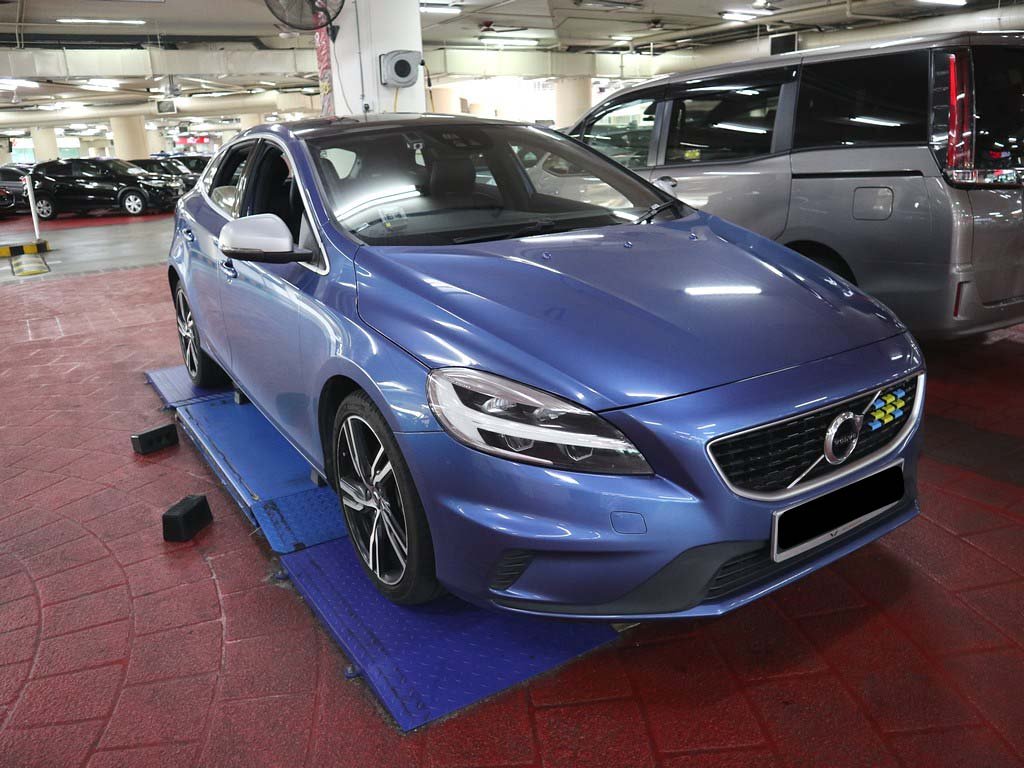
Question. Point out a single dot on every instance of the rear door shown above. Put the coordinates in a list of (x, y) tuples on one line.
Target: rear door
[(96, 186), (724, 146), (997, 252)]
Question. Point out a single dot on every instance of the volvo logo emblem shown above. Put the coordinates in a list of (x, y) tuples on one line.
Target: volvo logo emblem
[(841, 437)]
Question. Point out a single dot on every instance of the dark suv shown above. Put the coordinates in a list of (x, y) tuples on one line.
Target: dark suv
[(169, 166), (95, 184)]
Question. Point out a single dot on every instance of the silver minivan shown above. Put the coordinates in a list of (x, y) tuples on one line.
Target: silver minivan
[(897, 166)]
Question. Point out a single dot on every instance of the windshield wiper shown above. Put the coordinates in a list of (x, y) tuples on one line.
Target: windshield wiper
[(531, 228), (654, 210)]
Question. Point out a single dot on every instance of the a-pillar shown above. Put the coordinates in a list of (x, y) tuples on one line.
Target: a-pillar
[(367, 29), (129, 136), (250, 121), (572, 99), (44, 144)]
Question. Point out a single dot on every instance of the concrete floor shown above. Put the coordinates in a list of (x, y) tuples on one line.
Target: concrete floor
[(117, 649), (92, 243)]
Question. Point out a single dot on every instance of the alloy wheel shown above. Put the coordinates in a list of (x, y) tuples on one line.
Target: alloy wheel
[(187, 336), (374, 509), (44, 208), (133, 204)]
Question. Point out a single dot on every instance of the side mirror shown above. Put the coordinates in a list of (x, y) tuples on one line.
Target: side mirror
[(262, 238)]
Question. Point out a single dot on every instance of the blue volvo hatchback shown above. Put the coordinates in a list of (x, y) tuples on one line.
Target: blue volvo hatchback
[(537, 381)]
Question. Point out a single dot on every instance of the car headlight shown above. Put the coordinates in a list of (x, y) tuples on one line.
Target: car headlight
[(508, 419)]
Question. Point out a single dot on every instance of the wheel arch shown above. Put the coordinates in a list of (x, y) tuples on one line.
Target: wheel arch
[(128, 190), (824, 255)]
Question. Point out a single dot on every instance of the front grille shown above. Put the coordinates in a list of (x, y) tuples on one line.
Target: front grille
[(770, 458)]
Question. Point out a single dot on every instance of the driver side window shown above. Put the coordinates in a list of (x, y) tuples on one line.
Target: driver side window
[(624, 132), (274, 189)]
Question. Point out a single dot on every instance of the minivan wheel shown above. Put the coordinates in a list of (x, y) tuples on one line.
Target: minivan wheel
[(133, 203), (382, 509), (201, 368), (45, 207)]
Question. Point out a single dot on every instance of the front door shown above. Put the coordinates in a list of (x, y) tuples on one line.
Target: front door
[(261, 303), (725, 148)]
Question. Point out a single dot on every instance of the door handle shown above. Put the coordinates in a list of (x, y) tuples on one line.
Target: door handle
[(228, 269), (188, 234), (668, 181)]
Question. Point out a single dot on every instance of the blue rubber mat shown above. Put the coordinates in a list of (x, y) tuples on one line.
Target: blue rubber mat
[(428, 661), (176, 388), (264, 474)]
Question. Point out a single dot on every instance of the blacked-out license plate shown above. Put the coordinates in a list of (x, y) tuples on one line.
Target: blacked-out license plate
[(815, 522)]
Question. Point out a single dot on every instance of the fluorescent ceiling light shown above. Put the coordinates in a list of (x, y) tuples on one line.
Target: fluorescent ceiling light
[(737, 16), (904, 41), (101, 81), (739, 127), (9, 83), (1001, 32), (943, 2), (752, 12), (876, 121), (129, 22), (624, 38), (502, 40)]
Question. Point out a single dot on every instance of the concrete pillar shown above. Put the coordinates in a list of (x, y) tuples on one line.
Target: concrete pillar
[(129, 136), (44, 144), (5, 151), (572, 99), (446, 101), (480, 109), (154, 141), (250, 121), (366, 30)]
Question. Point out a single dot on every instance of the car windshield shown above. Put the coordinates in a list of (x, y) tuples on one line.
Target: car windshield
[(459, 183), (175, 167)]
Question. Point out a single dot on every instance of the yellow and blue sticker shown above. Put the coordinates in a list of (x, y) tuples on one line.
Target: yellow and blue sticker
[(887, 408)]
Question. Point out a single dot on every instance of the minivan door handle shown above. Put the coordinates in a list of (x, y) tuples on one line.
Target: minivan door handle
[(228, 269), (188, 234)]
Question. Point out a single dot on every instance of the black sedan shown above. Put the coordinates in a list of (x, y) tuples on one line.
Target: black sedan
[(96, 184), (170, 166)]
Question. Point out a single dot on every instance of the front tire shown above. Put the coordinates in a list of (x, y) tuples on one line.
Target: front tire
[(383, 512), (201, 368), (133, 203)]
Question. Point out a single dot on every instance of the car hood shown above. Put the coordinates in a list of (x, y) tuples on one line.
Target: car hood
[(620, 315)]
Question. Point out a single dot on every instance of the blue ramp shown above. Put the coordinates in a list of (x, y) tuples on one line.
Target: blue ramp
[(427, 661), (422, 662), (176, 388)]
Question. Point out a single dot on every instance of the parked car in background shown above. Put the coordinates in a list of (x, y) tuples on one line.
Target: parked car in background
[(8, 202), (195, 163), (597, 403), (12, 180), (898, 166), (94, 184), (169, 166)]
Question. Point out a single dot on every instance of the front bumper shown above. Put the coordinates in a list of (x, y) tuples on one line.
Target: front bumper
[(619, 547)]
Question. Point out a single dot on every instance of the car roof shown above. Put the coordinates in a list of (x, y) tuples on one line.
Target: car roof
[(332, 126), (874, 47)]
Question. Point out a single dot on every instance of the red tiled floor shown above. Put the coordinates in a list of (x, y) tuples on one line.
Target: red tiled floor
[(119, 650)]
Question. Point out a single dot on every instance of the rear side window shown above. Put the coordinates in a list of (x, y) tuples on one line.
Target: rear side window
[(864, 102), (998, 107), (623, 133), (722, 121), (55, 169)]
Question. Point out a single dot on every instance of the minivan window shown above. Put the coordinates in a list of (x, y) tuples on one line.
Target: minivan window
[(724, 121), (624, 132), (863, 102), (998, 107)]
